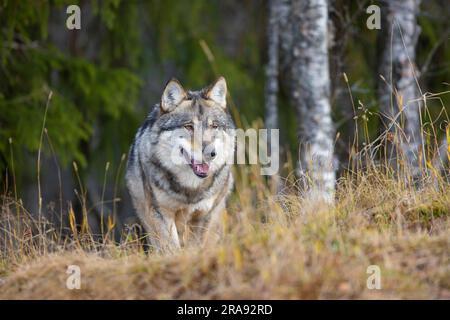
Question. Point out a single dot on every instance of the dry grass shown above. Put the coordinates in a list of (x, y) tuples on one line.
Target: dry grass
[(273, 248)]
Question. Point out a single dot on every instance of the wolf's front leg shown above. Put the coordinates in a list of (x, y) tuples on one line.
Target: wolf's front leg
[(162, 231), (215, 225)]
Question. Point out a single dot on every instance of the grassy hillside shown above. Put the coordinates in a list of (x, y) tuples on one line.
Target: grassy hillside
[(273, 247)]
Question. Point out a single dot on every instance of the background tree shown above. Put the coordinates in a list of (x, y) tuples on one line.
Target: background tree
[(305, 38), (271, 86), (271, 90), (398, 89)]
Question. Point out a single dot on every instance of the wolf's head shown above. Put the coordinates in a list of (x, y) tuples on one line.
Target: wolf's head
[(195, 131)]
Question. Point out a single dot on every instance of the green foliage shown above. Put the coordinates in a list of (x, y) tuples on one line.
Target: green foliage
[(84, 91)]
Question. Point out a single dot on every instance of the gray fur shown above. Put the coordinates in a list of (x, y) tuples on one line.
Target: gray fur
[(173, 203)]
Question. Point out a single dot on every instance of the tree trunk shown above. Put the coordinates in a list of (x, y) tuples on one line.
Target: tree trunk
[(271, 90), (399, 92), (305, 43)]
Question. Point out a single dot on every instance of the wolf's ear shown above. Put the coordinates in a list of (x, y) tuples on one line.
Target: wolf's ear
[(218, 92), (172, 96)]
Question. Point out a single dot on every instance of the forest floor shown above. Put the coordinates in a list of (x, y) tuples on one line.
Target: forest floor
[(280, 247)]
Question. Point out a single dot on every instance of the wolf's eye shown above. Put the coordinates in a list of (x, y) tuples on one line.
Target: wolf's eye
[(214, 126), (189, 127)]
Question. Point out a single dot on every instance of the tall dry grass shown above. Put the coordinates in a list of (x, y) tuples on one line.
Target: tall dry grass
[(274, 245)]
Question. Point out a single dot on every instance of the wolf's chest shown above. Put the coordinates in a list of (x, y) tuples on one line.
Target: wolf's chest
[(172, 204)]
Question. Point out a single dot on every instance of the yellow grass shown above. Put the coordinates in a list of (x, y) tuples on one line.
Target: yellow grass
[(273, 247)]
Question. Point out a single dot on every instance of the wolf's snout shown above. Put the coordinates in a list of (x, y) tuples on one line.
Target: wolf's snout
[(209, 151)]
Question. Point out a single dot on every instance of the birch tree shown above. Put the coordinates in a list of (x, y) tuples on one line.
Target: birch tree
[(398, 90), (271, 87), (271, 90), (305, 46)]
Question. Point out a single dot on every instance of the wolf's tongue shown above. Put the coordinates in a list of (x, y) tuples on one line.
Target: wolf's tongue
[(200, 169)]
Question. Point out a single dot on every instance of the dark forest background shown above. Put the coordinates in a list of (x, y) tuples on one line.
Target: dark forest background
[(105, 77)]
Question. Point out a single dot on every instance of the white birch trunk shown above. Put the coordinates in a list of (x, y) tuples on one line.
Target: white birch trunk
[(271, 90), (400, 32), (310, 92)]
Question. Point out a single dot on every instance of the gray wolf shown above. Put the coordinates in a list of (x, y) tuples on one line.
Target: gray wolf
[(177, 173)]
